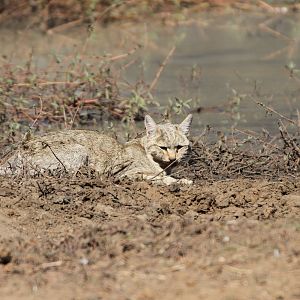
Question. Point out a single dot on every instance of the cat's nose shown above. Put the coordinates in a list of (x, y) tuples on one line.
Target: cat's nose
[(171, 154)]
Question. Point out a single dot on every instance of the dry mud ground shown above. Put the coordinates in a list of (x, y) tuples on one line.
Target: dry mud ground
[(85, 238)]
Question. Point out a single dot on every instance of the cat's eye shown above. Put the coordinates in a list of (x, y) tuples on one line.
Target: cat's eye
[(178, 147), (163, 148)]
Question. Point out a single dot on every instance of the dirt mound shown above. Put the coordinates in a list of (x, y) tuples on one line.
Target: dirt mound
[(89, 238)]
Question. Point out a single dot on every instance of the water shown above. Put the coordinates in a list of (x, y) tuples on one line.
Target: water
[(217, 60)]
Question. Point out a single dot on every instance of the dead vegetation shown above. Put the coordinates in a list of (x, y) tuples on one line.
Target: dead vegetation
[(246, 154), (82, 92), (59, 15), (87, 94)]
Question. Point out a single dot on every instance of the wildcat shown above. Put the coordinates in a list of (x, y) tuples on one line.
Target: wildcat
[(150, 157)]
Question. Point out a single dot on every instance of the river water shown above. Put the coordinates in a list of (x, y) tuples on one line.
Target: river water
[(219, 66)]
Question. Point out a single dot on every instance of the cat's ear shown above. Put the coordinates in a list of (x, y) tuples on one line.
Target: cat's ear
[(150, 125), (186, 124)]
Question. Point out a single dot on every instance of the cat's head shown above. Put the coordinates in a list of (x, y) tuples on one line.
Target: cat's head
[(167, 142)]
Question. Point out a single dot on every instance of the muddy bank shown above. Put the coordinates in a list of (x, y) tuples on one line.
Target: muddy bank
[(67, 14), (94, 239)]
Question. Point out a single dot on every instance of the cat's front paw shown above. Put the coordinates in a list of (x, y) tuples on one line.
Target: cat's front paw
[(169, 180), (185, 181)]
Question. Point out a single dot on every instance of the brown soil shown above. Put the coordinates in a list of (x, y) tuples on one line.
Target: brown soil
[(87, 238)]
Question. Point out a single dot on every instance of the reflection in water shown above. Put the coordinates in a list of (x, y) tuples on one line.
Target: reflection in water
[(218, 62)]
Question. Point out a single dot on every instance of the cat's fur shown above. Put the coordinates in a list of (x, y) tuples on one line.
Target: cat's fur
[(150, 157)]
